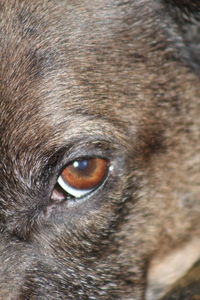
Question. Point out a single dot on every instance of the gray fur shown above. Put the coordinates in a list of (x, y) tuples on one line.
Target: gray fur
[(117, 79)]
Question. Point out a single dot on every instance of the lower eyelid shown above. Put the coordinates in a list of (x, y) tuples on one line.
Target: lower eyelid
[(70, 190)]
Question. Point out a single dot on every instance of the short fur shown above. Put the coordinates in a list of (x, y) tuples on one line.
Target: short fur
[(111, 78)]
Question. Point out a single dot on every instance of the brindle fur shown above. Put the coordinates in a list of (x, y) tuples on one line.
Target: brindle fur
[(114, 78)]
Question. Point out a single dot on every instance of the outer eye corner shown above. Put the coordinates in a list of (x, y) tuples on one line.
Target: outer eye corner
[(82, 176)]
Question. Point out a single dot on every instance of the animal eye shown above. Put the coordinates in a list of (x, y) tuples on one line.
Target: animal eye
[(82, 176)]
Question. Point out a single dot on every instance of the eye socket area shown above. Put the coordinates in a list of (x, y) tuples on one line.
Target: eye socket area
[(80, 177)]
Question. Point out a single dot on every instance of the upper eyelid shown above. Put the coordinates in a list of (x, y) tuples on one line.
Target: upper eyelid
[(70, 152), (66, 154)]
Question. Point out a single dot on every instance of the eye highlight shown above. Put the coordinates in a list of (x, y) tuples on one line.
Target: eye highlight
[(83, 176)]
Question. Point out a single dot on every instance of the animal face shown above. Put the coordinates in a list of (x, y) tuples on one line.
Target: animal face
[(99, 148)]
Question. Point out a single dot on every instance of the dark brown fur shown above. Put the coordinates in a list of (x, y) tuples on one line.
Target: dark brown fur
[(112, 78)]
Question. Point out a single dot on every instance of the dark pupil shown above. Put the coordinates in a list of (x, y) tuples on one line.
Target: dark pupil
[(84, 167), (81, 165)]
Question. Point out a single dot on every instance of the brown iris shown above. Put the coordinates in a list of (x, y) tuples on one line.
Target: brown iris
[(85, 174)]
